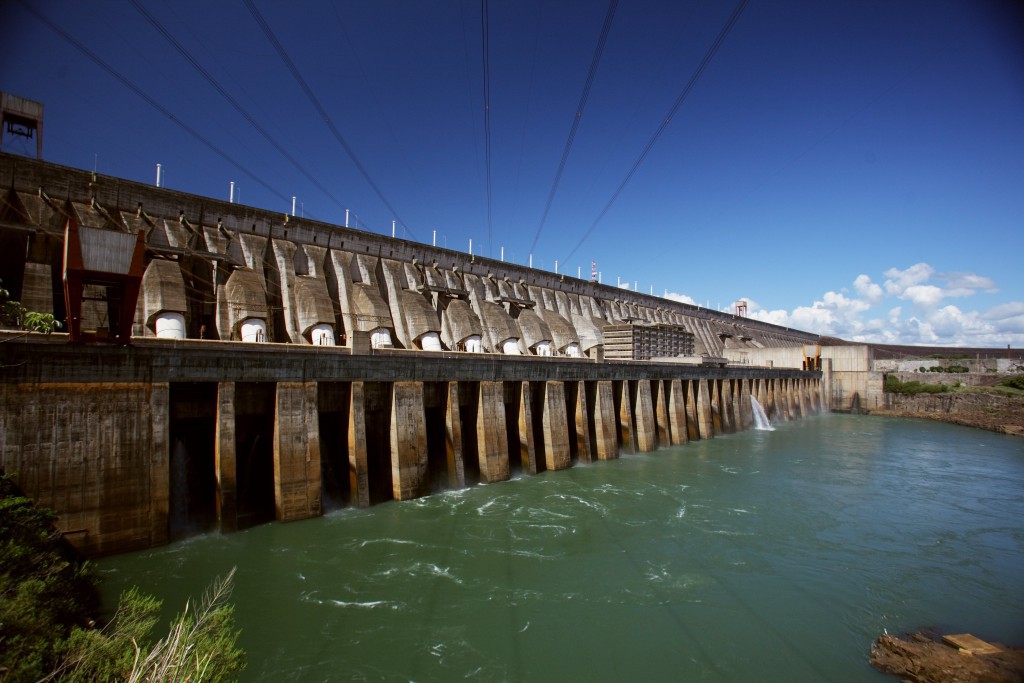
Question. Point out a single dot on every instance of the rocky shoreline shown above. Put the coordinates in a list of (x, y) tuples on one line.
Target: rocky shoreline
[(925, 657), (995, 412)]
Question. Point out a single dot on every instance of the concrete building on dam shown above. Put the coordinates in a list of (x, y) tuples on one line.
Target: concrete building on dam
[(224, 366)]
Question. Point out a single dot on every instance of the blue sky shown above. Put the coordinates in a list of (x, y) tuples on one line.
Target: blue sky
[(850, 168)]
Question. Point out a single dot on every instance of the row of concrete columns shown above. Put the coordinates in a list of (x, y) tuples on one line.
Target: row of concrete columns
[(488, 427)]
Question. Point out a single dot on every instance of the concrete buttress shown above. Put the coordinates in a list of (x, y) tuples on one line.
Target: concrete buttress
[(555, 427), (284, 257), (492, 442), (453, 439), (527, 445), (744, 417), (705, 421), (716, 407), (727, 406), (225, 459), (578, 399), (296, 452), (605, 439), (677, 412), (746, 406), (646, 430), (692, 421), (627, 426), (408, 441), (160, 466), (780, 406), (659, 390), (826, 385), (359, 481), (792, 405)]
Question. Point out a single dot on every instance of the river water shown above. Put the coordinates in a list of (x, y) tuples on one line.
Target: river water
[(759, 556)]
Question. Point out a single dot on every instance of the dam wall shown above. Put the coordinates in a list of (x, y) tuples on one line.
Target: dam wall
[(227, 366), (855, 384), (134, 446), (223, 271)]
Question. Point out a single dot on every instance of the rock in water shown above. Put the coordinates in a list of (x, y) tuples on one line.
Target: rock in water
[(920, 659)]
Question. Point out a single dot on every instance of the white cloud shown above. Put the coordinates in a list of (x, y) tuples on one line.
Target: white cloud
[(863, 315), (899, 280), (968, 284), (776, 317), (682, 298), (1004, 311), (922, 295), (950, 321), (920, 332), (868, 290)]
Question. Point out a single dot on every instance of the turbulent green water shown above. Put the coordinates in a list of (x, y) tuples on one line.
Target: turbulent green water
[(761, 556)]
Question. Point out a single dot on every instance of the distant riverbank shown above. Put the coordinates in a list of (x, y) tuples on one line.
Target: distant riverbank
[(991, 409)]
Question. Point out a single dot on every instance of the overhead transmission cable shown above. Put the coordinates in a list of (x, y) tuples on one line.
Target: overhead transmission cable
[(708, 56), (382, 111), (231, 100), (525, 118), (149, 100), (484, 29), (297, 75), (594, 62)]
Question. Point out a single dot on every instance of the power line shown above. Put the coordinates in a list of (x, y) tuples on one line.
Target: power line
[(406, 160), (598, 51), (149, 100), (231, 100), (484, 29), (528, 100), (283, 54), (708, 56)]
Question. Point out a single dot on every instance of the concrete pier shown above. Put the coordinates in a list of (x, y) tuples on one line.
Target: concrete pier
[(492, 441), (602, 421)]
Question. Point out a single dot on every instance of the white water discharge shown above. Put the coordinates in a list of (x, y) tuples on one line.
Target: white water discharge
[(761, 420)]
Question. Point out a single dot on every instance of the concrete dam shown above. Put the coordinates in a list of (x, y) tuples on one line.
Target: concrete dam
[(225, 366)]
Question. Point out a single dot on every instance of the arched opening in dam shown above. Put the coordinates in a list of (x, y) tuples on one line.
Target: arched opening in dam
[(192, 428), (623, 415), (469, 393), (377, 401), (537, 408), (513, 397), (333, 403), (254, 449), (440, 442)]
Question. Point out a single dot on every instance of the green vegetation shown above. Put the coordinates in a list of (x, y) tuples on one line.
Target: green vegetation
[(948, 368), (893, 385), (47, 597), (201, 644), (44, 591), (1014, 382), (13, 314)]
